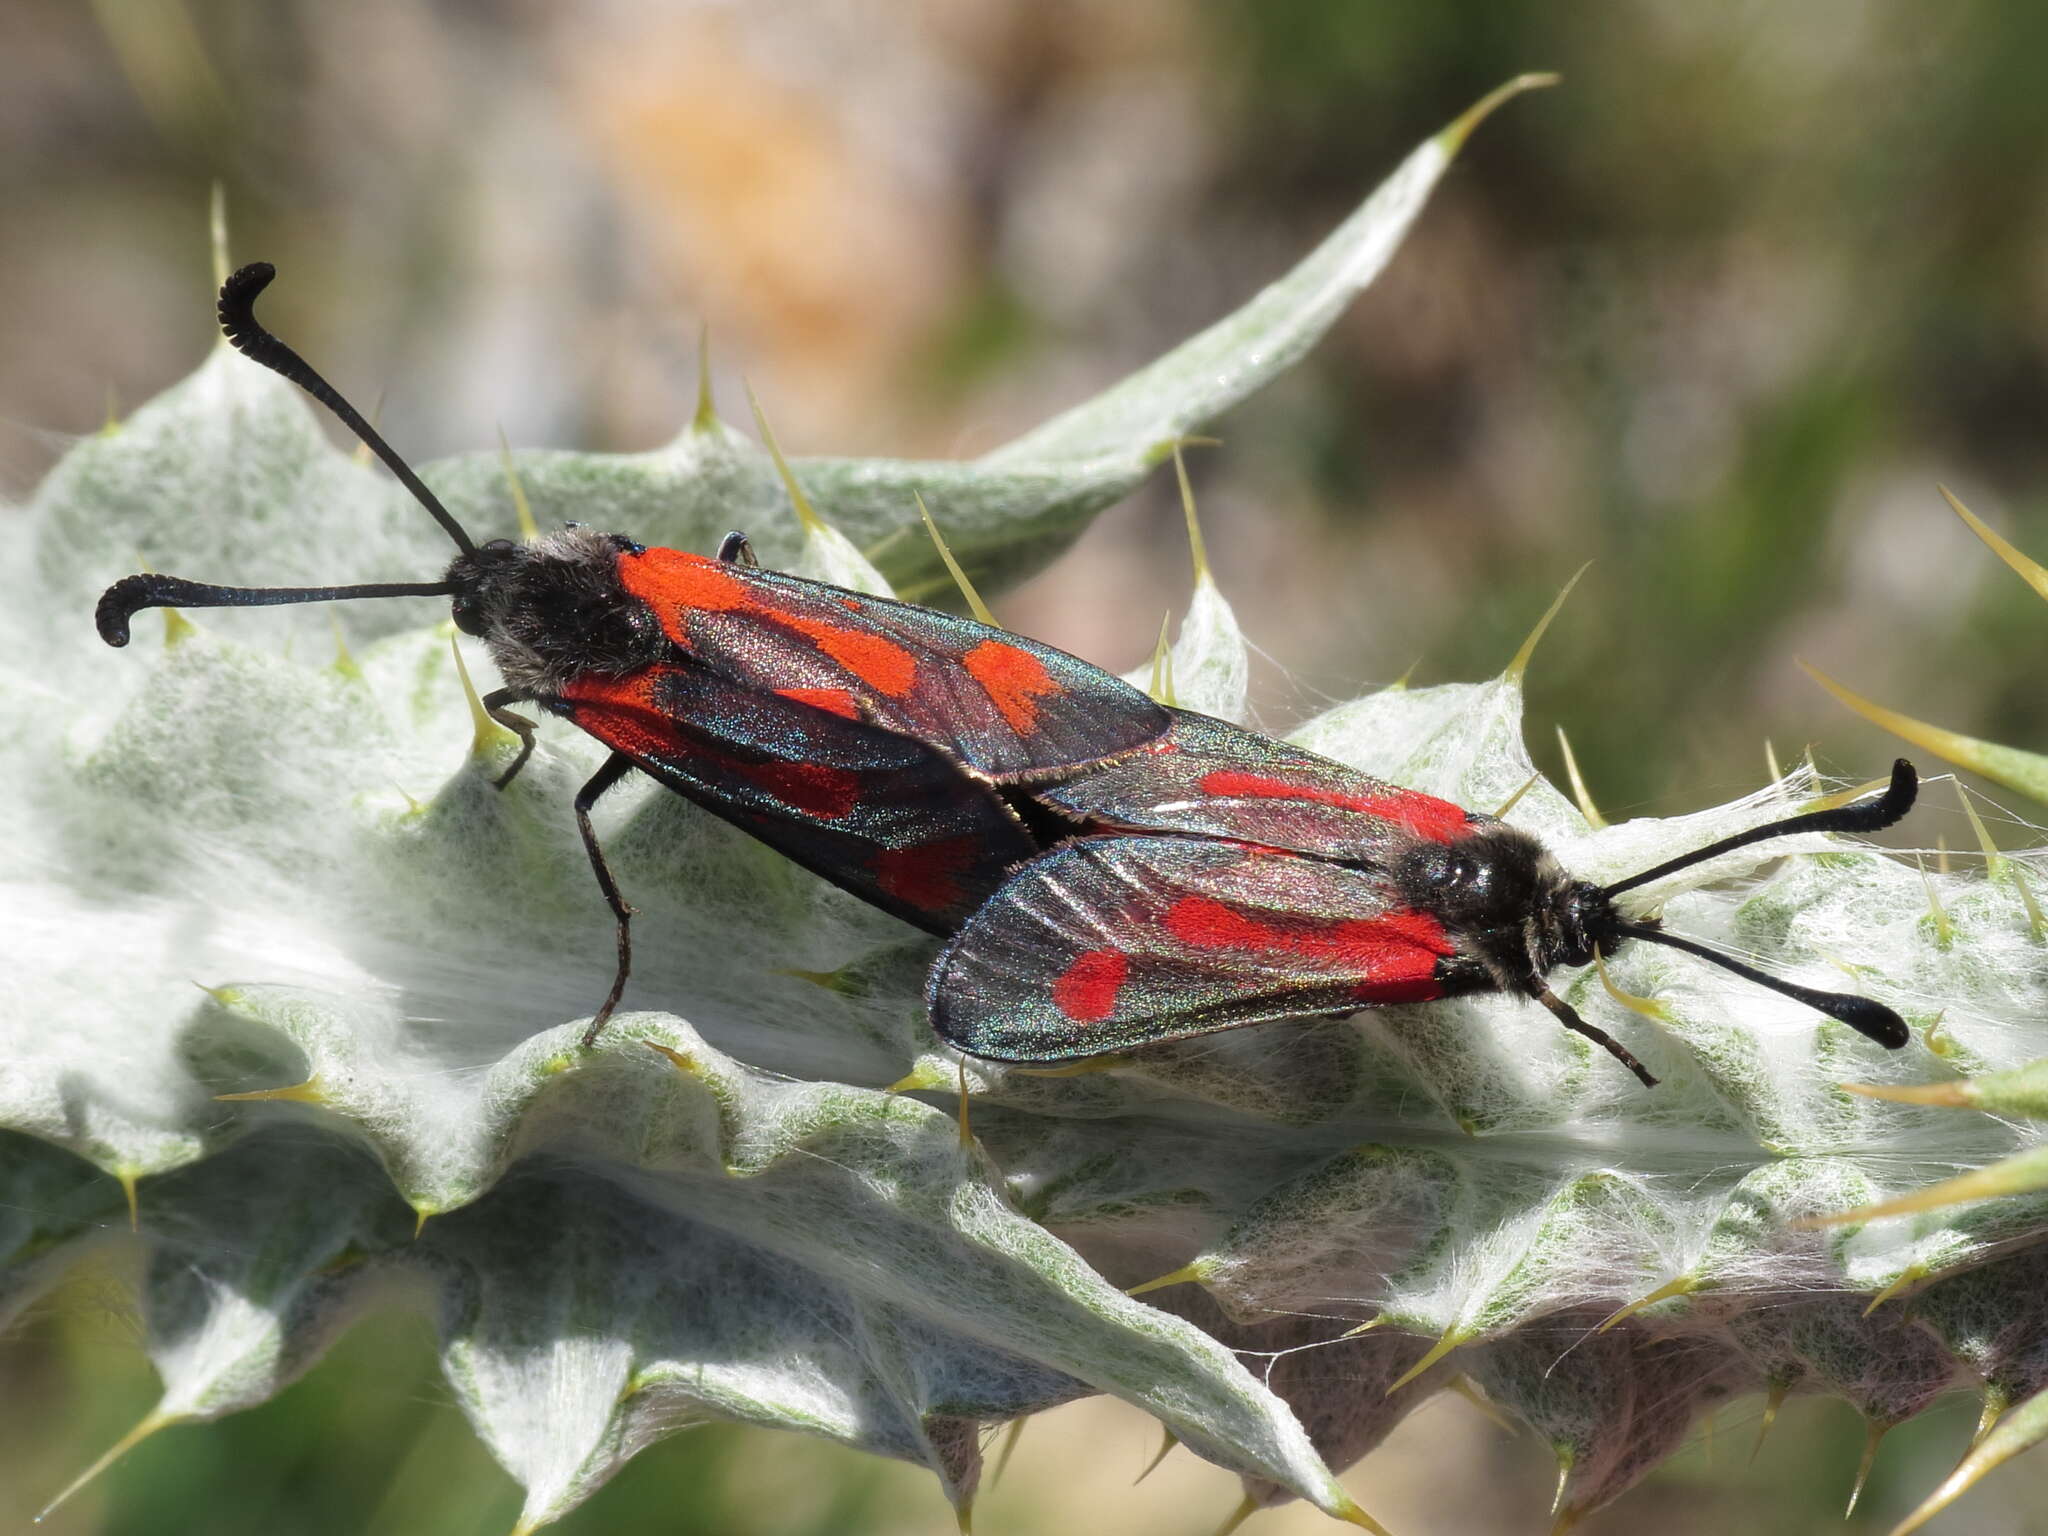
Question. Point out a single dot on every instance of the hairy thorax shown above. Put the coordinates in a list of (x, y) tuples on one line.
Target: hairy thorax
[(1512, 909)]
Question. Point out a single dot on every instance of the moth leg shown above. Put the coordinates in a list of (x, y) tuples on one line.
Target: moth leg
[(494, 705), (615, 768), (736, 549), (1569, 1018)]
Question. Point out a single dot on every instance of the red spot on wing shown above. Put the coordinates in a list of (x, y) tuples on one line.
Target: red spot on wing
[(626, 714), (1086, 990), (1014, 679), (1424, 815), (927, 876), (622, 713), (1394, 955), (675, 584), (835, 700), (882, 664), (825, 793)]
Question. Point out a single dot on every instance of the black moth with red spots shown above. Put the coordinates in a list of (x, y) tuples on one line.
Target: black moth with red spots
[(1235, 880), (887, 747)]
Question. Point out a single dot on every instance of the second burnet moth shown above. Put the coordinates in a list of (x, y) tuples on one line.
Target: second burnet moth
[(885, 746), (1234, 880)]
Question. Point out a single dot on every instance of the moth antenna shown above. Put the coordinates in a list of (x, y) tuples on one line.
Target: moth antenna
[(127, 597), (245, 333), (1568, 1016), (1862, 1014), (1863, 817)]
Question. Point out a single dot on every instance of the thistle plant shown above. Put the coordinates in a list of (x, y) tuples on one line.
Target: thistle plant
[(752, 1201)]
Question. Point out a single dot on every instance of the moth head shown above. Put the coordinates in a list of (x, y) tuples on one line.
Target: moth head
[(478, 576), (555, 608)]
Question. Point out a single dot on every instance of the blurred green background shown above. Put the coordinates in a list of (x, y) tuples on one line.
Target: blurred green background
[(1717, 315)]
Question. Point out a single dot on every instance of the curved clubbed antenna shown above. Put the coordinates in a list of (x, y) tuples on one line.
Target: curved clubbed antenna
[(120, 603), (245, 333), (1873, 815), (1862, 1014), (127, 597), (1865, 816)]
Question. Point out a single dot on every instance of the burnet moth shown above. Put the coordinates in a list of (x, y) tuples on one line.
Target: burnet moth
[(884, 746), (1235, 880)]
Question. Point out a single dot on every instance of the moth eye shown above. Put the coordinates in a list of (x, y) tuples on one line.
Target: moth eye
[(1452, 871), (499, 544)]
